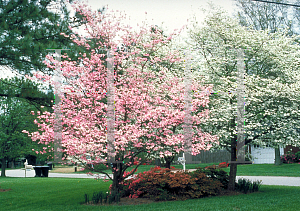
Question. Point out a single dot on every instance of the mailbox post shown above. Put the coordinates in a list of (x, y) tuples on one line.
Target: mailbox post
[(25, 164), (27, 167)]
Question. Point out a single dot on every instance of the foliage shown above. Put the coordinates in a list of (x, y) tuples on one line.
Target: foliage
[(114, 197), (289, 157), (97, 197), (246, 185), (271, 82), (28, 29), (16, 117), (267, 16), (96, 167), (216, 174), (161, 184), (102, 197), (172, 128), (86, 198), (297, 154)]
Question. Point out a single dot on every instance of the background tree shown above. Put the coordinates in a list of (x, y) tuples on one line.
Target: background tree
[(272, 71), (268, 16), (28, 29), (15, 118)]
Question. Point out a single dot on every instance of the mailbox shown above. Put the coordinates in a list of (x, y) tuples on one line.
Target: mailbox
[(27, 167), (181, 160)]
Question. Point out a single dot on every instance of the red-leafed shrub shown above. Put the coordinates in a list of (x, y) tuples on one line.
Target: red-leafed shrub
[(161, 184), (212, 167), (223, 165)]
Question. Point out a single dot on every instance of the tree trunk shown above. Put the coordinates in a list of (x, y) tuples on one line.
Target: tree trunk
[(232, 176), (117, 179), (13, 164), (3, 167), (168, 162), (233, 166), (277, 156)]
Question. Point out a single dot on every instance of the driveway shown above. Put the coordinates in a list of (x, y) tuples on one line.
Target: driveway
[(266, 180)]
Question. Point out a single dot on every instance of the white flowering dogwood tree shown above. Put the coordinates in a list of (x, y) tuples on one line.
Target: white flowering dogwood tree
[(272, 91)]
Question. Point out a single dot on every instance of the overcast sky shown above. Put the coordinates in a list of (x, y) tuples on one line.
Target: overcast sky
[(170, 14)]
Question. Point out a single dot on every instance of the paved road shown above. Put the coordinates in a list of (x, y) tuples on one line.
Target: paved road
[(31, 173), (266, 180)]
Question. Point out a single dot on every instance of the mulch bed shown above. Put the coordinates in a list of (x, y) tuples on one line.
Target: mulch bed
[(128, 201), (4, 190), (139, 201)]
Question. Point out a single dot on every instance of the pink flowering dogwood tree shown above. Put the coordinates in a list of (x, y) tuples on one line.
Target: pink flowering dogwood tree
[(172, 125), (139, 109), (167, 128)]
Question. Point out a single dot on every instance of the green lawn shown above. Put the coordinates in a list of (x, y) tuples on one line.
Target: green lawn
[(288, 170), (55, 194)]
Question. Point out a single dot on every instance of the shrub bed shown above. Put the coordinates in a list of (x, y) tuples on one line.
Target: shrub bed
[(290, 157), (163, 185), (166, 185)]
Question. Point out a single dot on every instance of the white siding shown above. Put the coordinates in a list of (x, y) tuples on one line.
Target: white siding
[(264, 155)]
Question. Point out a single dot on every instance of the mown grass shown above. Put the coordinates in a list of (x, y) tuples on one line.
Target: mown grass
[(288, 170), (49, 194)]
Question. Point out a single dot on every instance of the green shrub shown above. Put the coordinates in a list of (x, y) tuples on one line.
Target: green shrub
[(256, 185), (290, 157), (297, 154), (96, 167), (105, 197), (246, 185), (102, 197), (207, 186), (216, 174), (86, 198), (114, 197), (97, 197)]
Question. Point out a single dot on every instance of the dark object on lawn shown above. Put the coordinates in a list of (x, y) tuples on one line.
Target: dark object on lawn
[(50, 165), (41, 171)]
